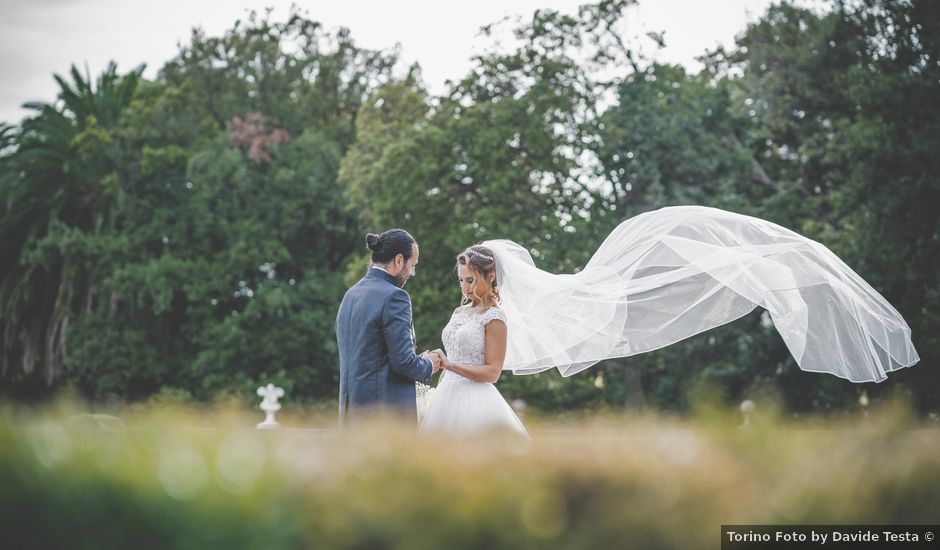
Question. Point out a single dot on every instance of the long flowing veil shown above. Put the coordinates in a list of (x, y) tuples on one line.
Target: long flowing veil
[(666, 275)]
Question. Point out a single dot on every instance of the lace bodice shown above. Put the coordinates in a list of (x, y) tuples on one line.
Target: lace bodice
[(464, 336)]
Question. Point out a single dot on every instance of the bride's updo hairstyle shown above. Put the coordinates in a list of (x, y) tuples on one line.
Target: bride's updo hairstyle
[(481, 261)]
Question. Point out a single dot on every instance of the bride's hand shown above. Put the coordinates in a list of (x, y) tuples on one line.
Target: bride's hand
[(444, 362), (436, 363)]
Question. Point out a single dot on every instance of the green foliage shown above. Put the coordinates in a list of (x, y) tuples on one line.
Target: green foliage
[(673, 139), (151, 480), (846, 106), (203, 268), (56, 196)]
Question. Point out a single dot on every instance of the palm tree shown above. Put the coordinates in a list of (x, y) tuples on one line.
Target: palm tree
[(47, 190)]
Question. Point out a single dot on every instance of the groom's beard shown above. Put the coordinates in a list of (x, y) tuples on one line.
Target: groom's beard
[(401, 279)]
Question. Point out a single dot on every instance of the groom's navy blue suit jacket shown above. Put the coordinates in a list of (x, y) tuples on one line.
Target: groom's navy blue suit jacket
[(378, 365)]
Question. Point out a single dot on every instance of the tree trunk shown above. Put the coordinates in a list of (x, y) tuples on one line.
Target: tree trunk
[(634, 398)]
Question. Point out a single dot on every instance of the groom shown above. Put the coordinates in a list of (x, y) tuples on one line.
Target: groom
[(378, 366)]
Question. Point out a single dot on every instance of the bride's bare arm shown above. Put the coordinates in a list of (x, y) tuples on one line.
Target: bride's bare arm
[(494, 353)]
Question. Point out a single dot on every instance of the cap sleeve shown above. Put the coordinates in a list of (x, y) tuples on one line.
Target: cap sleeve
[(492, 314)]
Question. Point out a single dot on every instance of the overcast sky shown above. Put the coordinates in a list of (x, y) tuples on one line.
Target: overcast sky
[(42, 37)]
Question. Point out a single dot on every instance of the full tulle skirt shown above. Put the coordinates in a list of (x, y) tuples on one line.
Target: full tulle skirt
[(459, 406)]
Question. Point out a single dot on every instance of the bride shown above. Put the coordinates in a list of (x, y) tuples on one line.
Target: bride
[(658, 278), (465, 400)]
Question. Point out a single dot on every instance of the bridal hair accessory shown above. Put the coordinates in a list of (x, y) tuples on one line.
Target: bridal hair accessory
[(472, 252)]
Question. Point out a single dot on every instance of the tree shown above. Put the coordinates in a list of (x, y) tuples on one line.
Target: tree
[(207, 209), (58, 192)]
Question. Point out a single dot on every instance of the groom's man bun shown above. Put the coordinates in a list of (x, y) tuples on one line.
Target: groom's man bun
[(389, 244)]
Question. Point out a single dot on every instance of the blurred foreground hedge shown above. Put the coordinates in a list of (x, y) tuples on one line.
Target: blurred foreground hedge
[(176, 479)]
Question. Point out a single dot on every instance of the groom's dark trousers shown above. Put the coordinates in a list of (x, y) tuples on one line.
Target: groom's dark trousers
[(378, 364)]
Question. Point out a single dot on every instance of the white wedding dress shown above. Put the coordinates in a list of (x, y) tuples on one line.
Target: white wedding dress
[(458, 405)]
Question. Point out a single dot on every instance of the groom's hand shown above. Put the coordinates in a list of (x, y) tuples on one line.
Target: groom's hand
[(435, 360)]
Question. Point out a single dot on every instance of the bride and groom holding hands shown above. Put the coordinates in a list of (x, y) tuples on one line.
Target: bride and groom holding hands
[(379, 363), (658, 278)]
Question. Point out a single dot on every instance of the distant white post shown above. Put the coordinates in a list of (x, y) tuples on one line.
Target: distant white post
[(270, 394), (747, 407)]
